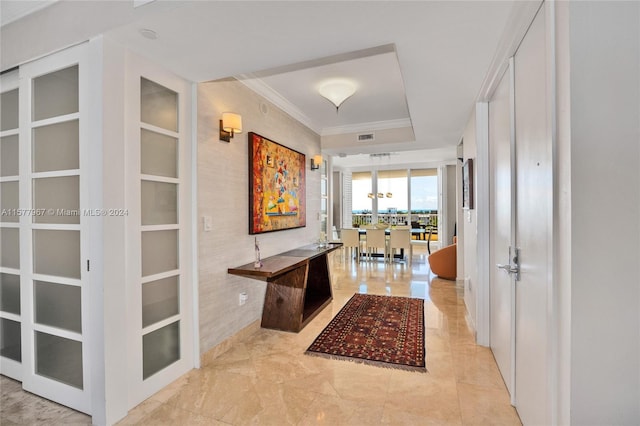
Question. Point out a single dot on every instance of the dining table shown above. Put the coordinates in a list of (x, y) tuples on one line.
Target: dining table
[(419, 232)]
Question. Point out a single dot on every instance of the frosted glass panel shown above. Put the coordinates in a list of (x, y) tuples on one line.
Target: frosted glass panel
[(158, 154), (10, 293), (58, 305), (55, 94), (10, 343), (56, 253), (159, 251), (55, 147), (59, 198), (159, 203), (160, 349), (9, 248), (9, 202), (59, 359), (9, 164), (158, 105), (9, 110), (160, 300)]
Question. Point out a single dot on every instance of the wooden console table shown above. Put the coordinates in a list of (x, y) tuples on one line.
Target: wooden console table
[(298, 285)]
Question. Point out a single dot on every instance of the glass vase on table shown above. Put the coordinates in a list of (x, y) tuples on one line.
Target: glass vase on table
[(257, 262), (322, 241)]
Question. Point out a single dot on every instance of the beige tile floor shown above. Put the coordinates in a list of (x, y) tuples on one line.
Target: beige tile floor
[(267, 380)]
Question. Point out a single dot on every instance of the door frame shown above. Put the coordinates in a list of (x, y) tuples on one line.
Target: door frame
[(509, 77), (520, 22)]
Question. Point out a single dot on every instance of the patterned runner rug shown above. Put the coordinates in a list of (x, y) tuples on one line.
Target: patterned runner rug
[(386, 331)]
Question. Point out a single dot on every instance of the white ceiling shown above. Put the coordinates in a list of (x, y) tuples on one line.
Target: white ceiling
[(419, 64), (379, 98), (11, 11)]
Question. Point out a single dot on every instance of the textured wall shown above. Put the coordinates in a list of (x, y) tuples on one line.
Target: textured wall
[(605, 195), (223, 195), (469, 228)]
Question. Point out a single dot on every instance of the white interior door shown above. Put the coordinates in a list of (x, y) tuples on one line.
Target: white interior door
[(502, 283), (521, 201), (44, 231), (159, 195), (534, 195), (10, 292)]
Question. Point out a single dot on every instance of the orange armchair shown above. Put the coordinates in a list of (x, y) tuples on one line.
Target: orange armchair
[(443, 262)]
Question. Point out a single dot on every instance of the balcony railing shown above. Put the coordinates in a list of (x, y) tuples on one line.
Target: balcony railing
[(424, 220)]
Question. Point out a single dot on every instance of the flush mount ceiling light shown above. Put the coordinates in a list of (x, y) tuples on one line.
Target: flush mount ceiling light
[(147, 33), (337, 90)]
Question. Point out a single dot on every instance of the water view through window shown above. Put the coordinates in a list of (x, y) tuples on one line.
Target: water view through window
[(394, 195)]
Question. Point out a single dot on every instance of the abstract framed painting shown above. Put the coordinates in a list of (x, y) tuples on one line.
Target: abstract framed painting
[(277, 186)]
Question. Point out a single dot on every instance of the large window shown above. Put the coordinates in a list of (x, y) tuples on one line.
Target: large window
[(424, 196), (392, 197), (361, 201), (392, 192), (424, 190), (360, 189)]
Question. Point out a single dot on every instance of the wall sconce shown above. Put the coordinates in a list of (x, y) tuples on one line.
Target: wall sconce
[(316, 160), (230, 124)]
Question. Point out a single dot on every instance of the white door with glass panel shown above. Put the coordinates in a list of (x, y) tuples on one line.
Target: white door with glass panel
[(10, 308), (44, 259), (161, 336)]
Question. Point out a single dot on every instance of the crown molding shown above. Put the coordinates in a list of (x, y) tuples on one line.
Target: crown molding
[(367, 127), (260, 87), (520, 19)]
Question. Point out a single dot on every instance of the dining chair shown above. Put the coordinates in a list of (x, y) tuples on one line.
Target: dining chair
[(376, 239), (400, 239), (443, 262), (335, 236), (350, 238), (432, 235)]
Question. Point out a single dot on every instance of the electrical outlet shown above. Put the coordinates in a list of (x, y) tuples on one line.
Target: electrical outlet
[(242, 298), (208, 223)]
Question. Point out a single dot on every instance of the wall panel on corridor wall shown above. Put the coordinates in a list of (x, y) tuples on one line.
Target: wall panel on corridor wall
[(222, 195)]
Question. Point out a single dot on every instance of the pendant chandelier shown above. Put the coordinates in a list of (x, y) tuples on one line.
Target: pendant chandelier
[(388, 194)]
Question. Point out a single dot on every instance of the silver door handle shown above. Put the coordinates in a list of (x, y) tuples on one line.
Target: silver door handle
[(509, 268), (514, 268)]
